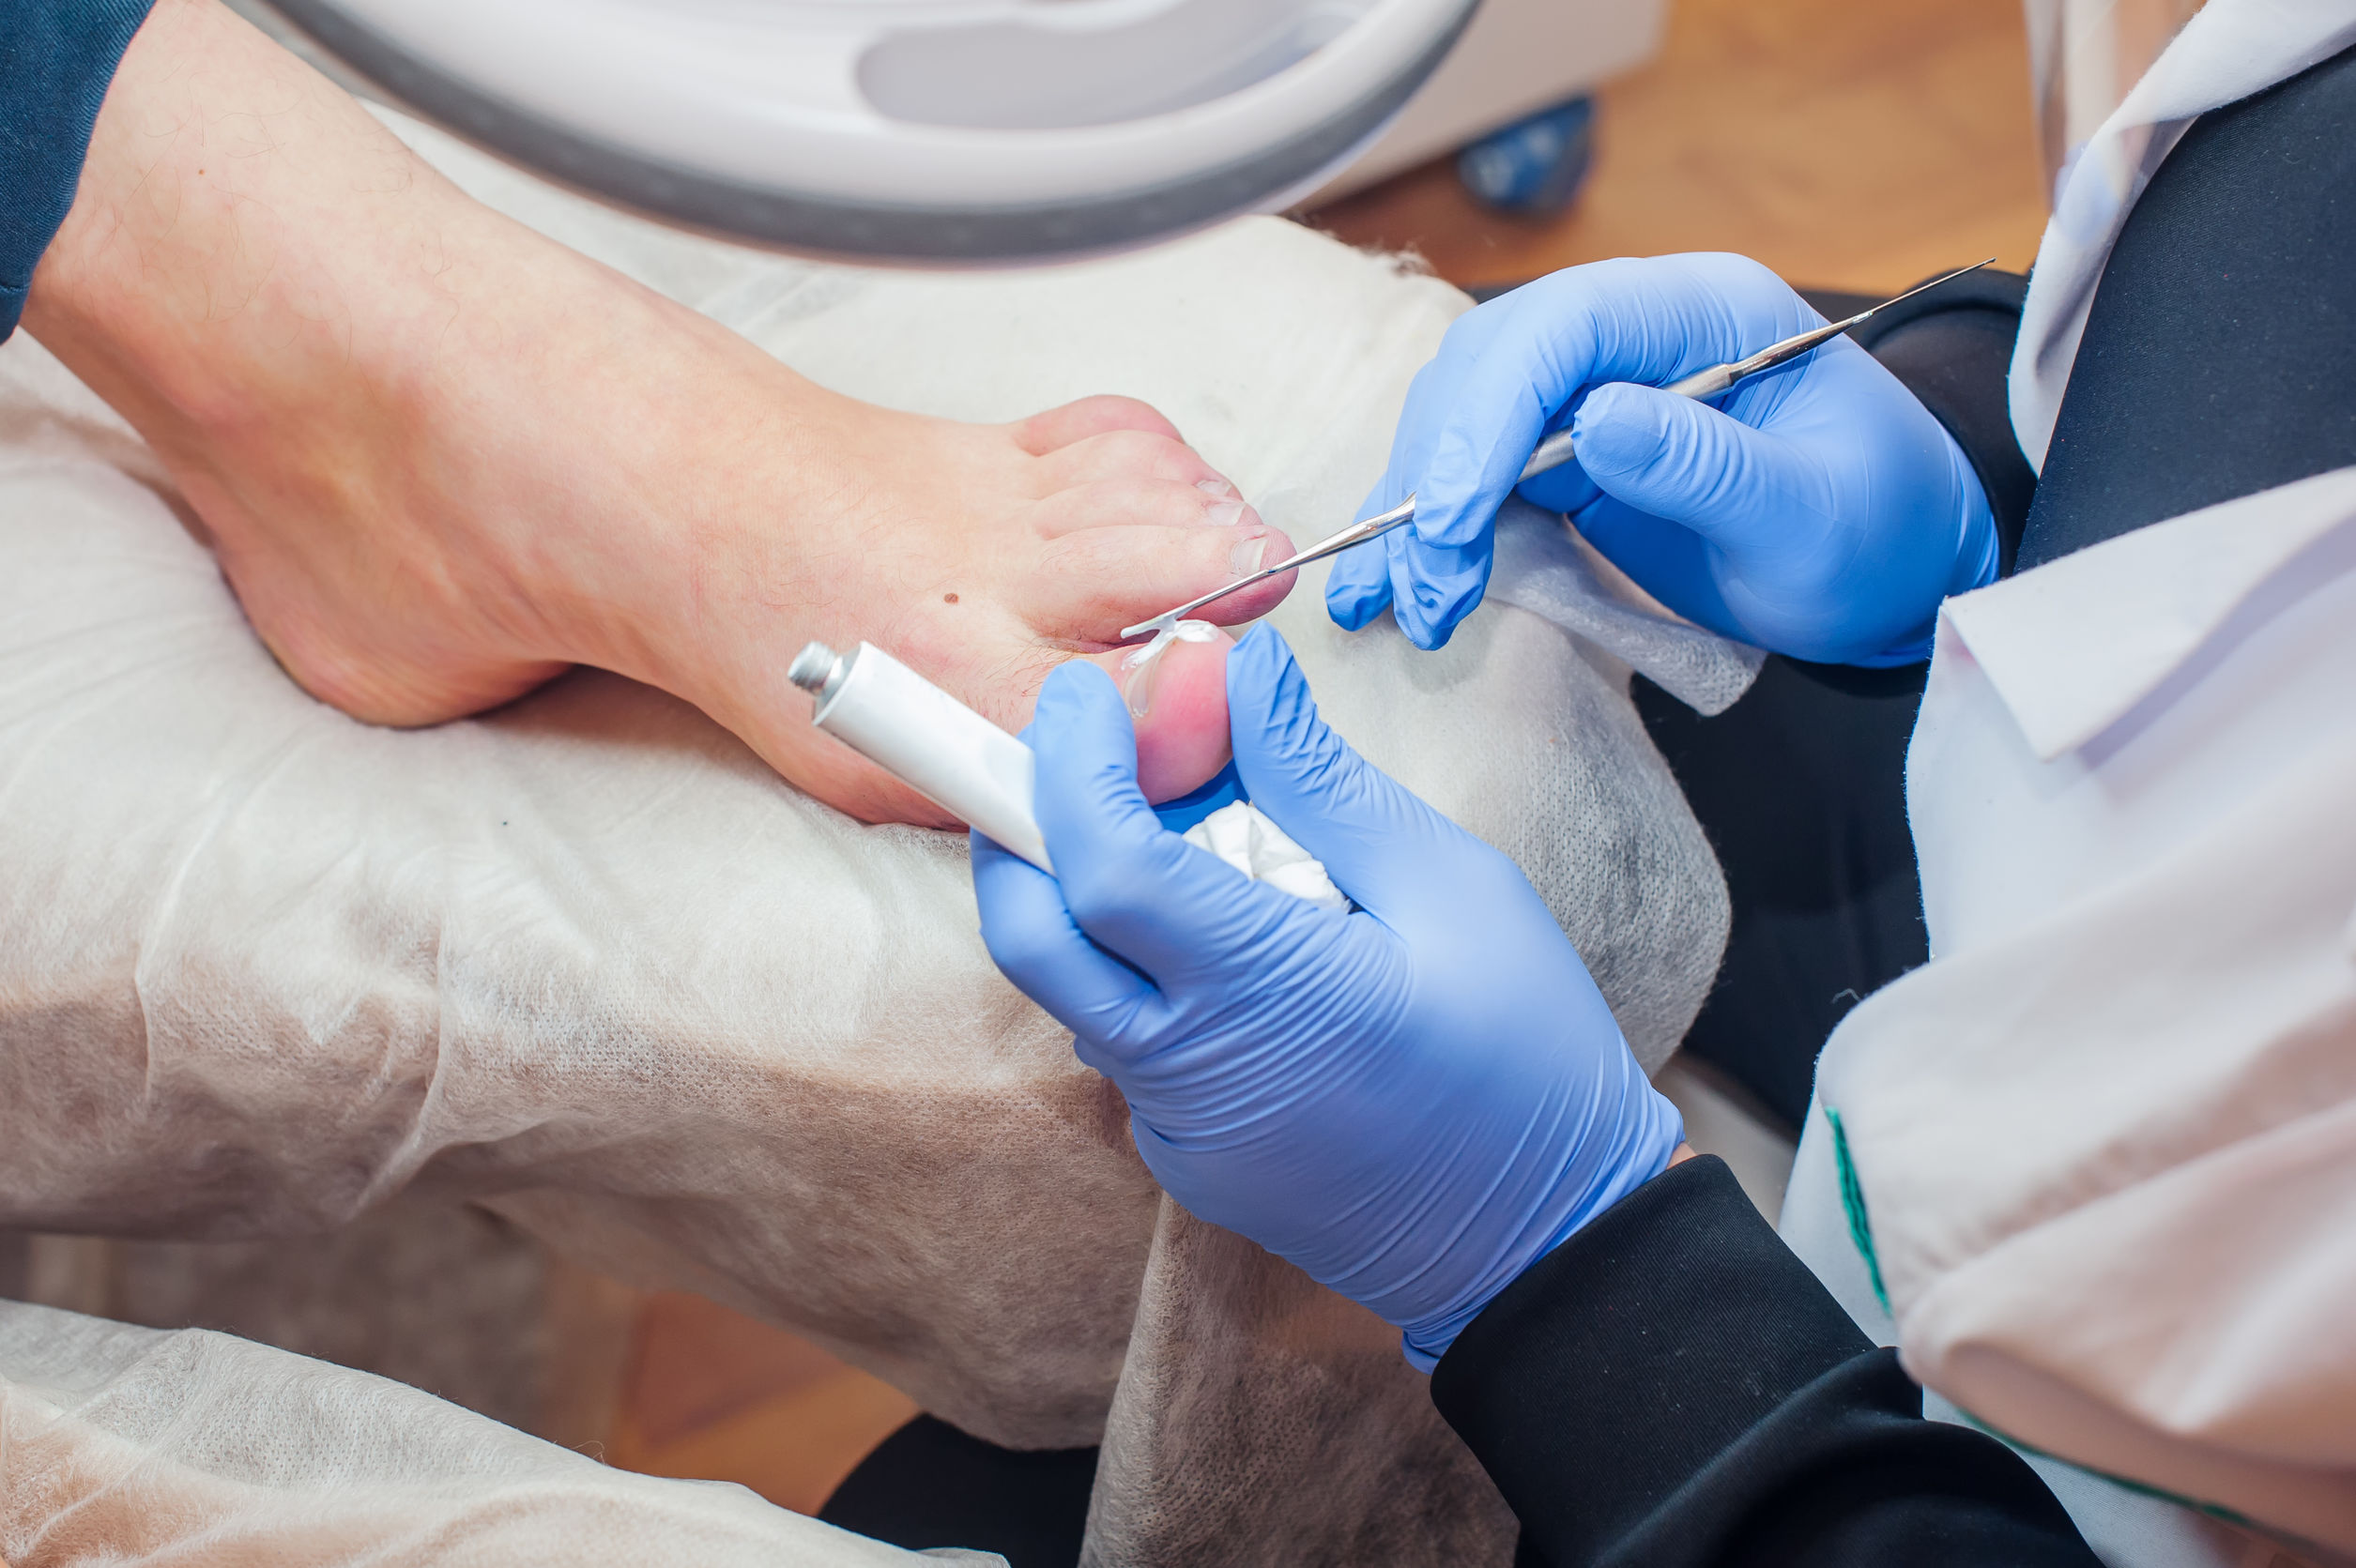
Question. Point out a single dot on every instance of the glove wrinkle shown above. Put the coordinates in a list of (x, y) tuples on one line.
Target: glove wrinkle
[(1412, 1103), (1818, 510)]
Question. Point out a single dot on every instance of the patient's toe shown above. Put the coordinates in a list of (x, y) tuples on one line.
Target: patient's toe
[(1110, 506), (1092, 582), (1178, 698), (1057, 428), (1131, 454)]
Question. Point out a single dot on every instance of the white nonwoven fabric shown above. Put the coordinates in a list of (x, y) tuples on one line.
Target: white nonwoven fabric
[(586, 960), (1244, 836), (123, 1445)]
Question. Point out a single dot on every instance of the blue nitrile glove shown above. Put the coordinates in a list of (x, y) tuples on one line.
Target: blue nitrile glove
[(1818, 509), (1412, 1102)]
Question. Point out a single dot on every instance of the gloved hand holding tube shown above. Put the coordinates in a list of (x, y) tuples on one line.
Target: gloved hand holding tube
[(1818, 510), (1415, 1100)]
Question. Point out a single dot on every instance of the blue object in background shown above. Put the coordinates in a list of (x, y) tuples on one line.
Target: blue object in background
[(1534, 166)]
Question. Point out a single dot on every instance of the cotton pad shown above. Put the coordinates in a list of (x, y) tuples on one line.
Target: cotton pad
[(1243, 836)]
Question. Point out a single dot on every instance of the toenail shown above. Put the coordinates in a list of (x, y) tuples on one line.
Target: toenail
[(1247, 556), (1219, 490), (1142, 675), (1141, 667), (1226, 514)]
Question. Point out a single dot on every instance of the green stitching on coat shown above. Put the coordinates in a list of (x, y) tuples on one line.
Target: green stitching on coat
[(2215, 1509), (1861, 1233), (1853, 1204)]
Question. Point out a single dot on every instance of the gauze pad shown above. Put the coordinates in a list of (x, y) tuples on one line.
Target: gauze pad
[(1245, 838)]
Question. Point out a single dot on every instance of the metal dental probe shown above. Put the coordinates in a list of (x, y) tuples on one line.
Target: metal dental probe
[(1552, 452)]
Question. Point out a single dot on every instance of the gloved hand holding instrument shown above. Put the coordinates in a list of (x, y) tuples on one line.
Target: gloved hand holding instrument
[(1418, 1099), (1413, 1101), (1812, 506)]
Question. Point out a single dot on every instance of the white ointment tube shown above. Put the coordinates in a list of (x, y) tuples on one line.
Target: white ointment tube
[(928, 740)]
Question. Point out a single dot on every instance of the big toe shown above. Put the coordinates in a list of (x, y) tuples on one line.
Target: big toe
[(1177, 697)]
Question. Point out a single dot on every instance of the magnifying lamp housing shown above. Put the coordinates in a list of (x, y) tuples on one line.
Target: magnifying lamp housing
[(942, 131)]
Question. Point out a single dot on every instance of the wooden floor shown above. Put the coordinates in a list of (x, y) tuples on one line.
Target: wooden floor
[(1858, 145), (709, 1395), (1848, 144)]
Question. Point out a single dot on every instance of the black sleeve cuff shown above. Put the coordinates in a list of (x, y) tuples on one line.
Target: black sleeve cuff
[(1631, 1356), (1671, 1388), (56, 58), (1953, 348)]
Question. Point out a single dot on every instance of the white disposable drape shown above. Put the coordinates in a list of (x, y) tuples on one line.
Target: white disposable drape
[(188, 1449), (587, 960)]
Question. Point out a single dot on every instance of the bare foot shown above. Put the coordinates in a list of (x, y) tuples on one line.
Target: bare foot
[(443, 458)]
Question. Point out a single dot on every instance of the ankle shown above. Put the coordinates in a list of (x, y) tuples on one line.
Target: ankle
[(198, 206)]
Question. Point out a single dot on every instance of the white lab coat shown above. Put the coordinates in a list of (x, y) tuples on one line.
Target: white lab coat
[(2099, 1156)]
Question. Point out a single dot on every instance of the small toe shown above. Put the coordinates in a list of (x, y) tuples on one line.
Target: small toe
[(1133, 456), (1086, 585), (1134, 501), (1057, 428)]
